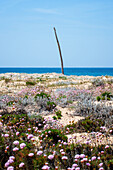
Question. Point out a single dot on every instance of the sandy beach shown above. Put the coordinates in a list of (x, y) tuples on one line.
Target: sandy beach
[(67, 103)]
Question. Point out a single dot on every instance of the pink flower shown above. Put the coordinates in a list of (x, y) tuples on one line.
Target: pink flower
[(82, 155), (93, 158), (64, 157), (102, 152), (7, 147), (50, 157), (107, 146), (101, 168), (12, 157), (45, 167), (62, 153), (6, 164), (77, 156), (15, 149), (77, 168), (101, 164), (22, 145), (16, 142), (29, 136), (6, 135), (21, 165), (17, 133), (10, 168), (85, 159), (10, 161), (39, 152), (65, 143), (74, 165), (88, 164), (31, 154)]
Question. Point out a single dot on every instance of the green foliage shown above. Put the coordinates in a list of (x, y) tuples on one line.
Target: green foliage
[(86, 125), (63, 77), (50, 105), (10, 103), (54, 135), (58, 113), (26, 97), (54, 117), (104, 96), (30, 83), (98, 98), (42, 95), (70, 101)]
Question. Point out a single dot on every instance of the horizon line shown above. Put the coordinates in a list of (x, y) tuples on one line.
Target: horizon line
[(56, 67)]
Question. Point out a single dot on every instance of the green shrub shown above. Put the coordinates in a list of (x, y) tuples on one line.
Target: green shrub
[(7, 80), (42, 94), (30, 83), (50, 105), (104, 96), (53, 136), (98, 98), (63, 77), (54, 117), (58, 113), (59, 117), (10, 103)]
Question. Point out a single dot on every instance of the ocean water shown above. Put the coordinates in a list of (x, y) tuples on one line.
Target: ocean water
[(67, 71)]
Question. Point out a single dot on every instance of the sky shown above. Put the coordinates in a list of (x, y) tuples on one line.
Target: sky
[(84, 29)]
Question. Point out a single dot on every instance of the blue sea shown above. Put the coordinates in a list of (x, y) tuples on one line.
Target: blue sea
[(67, 71)]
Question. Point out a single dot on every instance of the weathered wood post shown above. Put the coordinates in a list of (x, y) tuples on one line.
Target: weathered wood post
[(59, 51)]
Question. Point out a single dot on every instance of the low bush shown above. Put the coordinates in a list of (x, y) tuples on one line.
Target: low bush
[(30, 83)]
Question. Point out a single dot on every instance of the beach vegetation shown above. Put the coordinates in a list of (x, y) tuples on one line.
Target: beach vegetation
[(30, 83)]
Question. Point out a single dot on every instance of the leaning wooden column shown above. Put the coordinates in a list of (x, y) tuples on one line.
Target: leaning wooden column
[(59, 50)]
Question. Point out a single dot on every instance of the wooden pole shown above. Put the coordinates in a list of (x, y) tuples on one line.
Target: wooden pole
[(59, 50)]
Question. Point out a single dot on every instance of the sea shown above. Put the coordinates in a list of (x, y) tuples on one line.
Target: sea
[(67, 70)]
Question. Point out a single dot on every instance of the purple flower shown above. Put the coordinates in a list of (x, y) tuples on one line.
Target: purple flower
[(29, 136), (101, 164), (85, 159), (30, 154), (6, 164), (15, 149), (17, 133), (10, 168), (21, 165), (12, 157), (77, 168), (65, 143), (101, 168), (82, 155), (10, 161), (6, 135), (88, 164), (64, 157), (39, 152), (22, 145), (16, 142), (45, 167), (50, 157), (93, 158), (74, 165), (77, 156), (107, 146)]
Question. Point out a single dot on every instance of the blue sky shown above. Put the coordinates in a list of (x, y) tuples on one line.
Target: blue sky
[(84, 29)]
